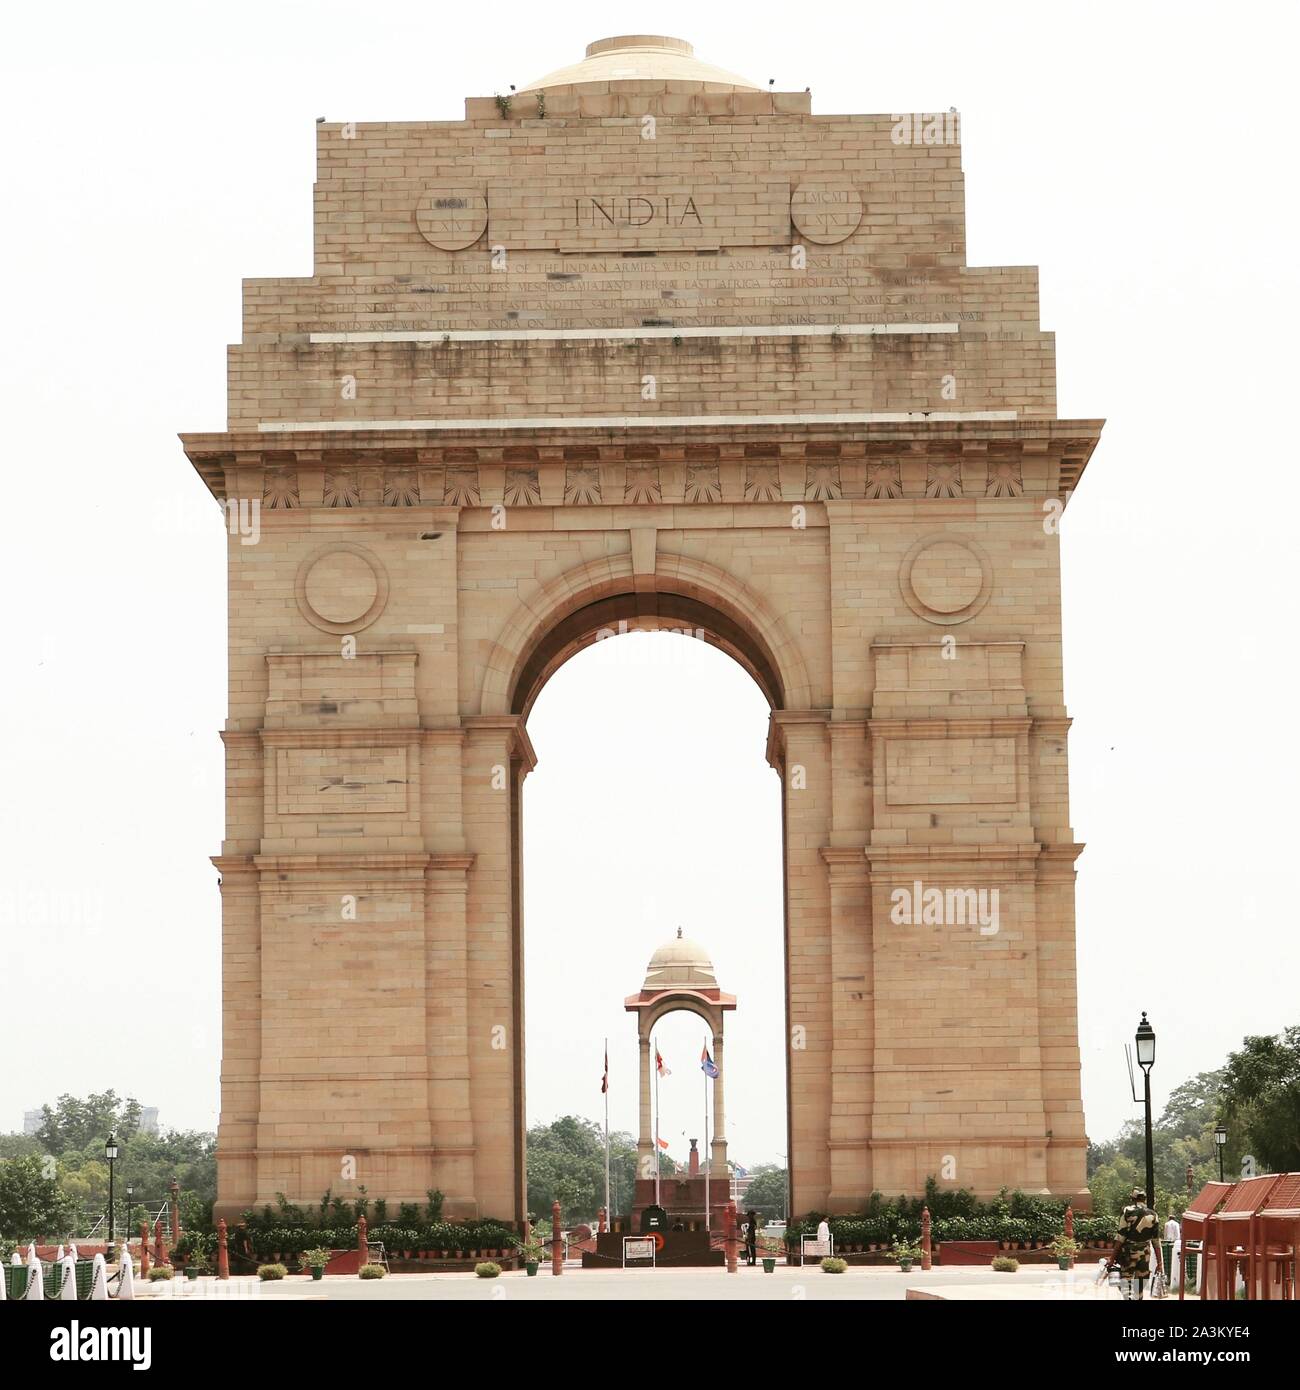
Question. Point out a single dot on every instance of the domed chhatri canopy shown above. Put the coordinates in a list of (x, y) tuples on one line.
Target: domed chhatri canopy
[(642, 58), (680, 976), (680, 964)]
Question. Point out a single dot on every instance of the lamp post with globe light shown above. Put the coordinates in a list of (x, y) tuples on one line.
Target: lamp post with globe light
[(1145, 1041), (110, 1153)]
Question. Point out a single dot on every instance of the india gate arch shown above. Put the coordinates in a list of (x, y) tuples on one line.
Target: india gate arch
[(816, 435), (600, 602)]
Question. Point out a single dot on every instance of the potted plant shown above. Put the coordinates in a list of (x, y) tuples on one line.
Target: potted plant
[(1065, 1249), (906, 1254), (530, 1251), (314, 1261), (768, 1251)]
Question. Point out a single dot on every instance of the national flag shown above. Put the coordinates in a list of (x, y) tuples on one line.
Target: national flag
[(707, 1065), (739, 1171), (604, 1080), (659, 1065), (663, 1143)]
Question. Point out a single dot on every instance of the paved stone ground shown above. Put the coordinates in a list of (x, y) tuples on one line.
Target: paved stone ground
[(1032, 1283)]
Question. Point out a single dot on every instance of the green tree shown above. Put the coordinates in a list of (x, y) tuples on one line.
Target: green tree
[(766, 1192), (566, 1162), (1194, 1106), (72, 1123), (19, 1145), (1261, 1088), (32, 1206)]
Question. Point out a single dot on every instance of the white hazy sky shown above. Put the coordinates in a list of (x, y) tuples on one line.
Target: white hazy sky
[(1141, 153)]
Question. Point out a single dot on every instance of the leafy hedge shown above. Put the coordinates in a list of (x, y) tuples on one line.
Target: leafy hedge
[(290, 1230), (445, 1236), (955, 1215)]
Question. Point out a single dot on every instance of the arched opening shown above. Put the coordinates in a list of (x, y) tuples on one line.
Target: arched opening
[(655, 610), (685, 1114), (652, 807)]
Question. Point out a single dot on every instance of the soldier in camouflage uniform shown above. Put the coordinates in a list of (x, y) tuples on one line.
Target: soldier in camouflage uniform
[(1138, 1228)]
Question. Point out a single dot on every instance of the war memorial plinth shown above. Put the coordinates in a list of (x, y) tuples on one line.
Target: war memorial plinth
[(643, 343)]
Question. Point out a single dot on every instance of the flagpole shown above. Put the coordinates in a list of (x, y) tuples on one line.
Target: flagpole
[(655, 1046), (609, 1214), (708, 1162)]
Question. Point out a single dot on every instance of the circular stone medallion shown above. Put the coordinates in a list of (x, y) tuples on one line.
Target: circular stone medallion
[(341, 589), (826, 212), (946, 579), (452, 217)]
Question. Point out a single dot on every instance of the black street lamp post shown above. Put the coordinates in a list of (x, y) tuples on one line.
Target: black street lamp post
[(110, 1153), (1220, 1139), (1146, 1058)]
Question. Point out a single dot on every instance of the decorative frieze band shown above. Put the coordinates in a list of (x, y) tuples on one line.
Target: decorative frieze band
[(632, 472)]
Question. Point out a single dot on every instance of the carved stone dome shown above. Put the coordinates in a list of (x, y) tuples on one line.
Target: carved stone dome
[(680, 964), (642, 58)]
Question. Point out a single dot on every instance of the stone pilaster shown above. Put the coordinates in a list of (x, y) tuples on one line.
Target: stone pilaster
[(800, 750), (498, 756)]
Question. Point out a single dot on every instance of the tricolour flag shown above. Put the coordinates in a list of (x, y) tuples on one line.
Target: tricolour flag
[(659, 1065), (663, 1143), (707, 1065)]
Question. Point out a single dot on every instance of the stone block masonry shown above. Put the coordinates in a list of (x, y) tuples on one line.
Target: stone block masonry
[(643, 343)]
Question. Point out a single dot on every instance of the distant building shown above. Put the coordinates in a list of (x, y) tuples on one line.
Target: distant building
[(32, 1120)]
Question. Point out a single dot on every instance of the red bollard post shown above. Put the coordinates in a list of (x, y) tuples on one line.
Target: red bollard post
[(159, 1249), (925, 1238), (144, 1250), (223, 1251), (363, 1249), (729, 1235), (1069, 1228), (557, 1245)]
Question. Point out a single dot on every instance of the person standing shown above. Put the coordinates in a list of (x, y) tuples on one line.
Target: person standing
[(751, 1236), (1138, 1228), (1174, 1235)]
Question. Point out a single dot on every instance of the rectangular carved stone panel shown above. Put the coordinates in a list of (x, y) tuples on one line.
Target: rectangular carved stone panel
[(340, 781), (948, 674), (612, 214), (950, 771), (315, 689)]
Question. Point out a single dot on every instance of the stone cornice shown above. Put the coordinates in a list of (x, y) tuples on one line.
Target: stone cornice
[(377, 736), (962, 726), (512, 726), (896, 858), (442, 471)]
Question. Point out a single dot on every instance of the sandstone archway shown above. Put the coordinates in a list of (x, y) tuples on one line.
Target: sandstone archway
[(818, 437)]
